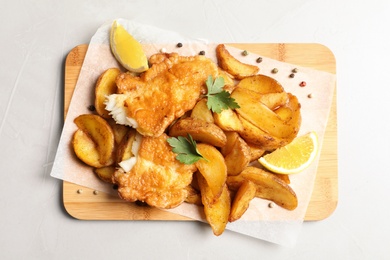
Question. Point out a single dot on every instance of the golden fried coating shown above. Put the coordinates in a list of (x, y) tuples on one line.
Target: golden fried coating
[(171, 87), (157, 178)]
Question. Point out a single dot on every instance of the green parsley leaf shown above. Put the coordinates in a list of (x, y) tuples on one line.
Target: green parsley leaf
[(218, 99), (185, 149)]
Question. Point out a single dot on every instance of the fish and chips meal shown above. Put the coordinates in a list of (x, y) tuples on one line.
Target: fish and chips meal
[(170, 129)]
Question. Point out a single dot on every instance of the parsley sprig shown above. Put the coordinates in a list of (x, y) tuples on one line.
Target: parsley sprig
[(185, 148), (218, 99)]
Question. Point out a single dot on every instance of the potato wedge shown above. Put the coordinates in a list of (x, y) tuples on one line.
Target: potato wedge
[(228, 120), (244, 195), (274, 100), (105, 173), (202, 112), (212, 168), (228, 79), (216, 210), (233, 66), (124, 150), (260, 115), (253, 134), (285, 113), (231, 138), (119, 130), (85, 149), (261, 84), (255, 151), (283, 177), (295, 120), (200, 130), (234, 182), (100, 133), (271, 187), (238, 158), (193, 196), (105, 86)]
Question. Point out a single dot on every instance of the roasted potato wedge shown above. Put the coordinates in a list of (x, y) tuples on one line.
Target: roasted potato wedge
[(231, 138), (105, 86), (244, 195), (193, 196), (119, 130), (101, 134), (234, 182), (261, 116), (238, 157), (285, 113), (202, 112), (200, 130), (212, 168), (274, 100), (283, 177), (228, 120), (125, 149), (294, 121), (253, 134), (85, 149), (233, 66), (105, 173), (270, 187), (261, 84), (255, 151), (228, 79), (216, 210)]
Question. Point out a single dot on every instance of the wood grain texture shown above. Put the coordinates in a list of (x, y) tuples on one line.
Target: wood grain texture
[(90, 206)]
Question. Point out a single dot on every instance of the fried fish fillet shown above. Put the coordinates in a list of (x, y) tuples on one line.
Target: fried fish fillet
[(157, 178), (152, 101)]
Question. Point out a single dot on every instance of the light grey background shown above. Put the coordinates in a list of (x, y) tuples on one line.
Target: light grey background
[(37, 35)]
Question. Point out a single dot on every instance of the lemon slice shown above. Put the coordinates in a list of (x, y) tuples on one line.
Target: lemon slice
[(294, 157), (127, 50)]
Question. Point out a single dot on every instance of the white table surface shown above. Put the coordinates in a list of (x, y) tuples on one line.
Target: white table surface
[(37, 35)]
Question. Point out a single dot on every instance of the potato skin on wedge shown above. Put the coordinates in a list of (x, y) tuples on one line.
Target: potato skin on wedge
[(271, 187), (85, 149), (216, 210), (233, 66), (261, 84), (239, 155), (105, 173), (268, 186), (212, 168), (200, 130), (105, 86), (101, 135), (244, 195)]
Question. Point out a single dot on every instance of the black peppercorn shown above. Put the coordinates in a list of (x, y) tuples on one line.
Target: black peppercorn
[(91, 108)]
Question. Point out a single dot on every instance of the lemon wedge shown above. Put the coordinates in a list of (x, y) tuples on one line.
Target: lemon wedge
[(127, 50), (294, 157)]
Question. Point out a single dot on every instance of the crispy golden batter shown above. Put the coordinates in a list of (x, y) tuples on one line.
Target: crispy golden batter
[(171, 87), (157, 178)]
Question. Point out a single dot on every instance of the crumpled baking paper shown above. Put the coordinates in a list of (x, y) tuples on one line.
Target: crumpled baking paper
[(276, 224)]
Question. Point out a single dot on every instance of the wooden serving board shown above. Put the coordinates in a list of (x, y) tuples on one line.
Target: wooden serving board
[(88, 205)]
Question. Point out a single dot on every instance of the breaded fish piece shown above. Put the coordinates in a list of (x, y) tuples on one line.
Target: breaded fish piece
[(152, 101), (157, 178)]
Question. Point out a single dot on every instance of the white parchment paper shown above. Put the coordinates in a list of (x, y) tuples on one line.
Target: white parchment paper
[(275, 224)]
